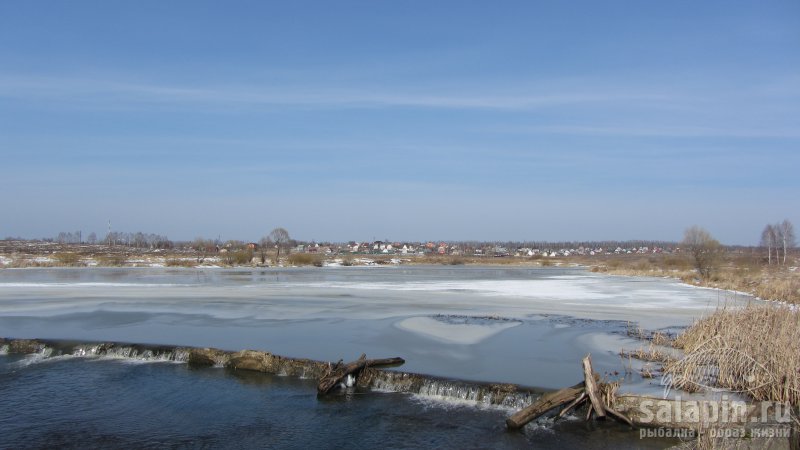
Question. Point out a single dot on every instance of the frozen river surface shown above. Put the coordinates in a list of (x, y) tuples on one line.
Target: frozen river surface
[(528, 326)]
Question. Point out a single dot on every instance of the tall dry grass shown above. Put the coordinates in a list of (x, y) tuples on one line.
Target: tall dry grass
[(755, 350), (304, 259), (68, 259)]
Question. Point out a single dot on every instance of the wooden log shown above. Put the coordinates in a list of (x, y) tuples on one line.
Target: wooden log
[(339, 372), (545, 403), (575, 403), (591, 388)]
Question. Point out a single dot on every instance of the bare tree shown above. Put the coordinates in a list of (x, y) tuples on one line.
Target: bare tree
[(92, 239), (704, 249), (768, 237), (280, 237), (263, 245), (203, 247), (786, 231)]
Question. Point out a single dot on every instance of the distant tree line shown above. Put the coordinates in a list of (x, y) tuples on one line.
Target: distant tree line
[(136, 240), (69, 237)]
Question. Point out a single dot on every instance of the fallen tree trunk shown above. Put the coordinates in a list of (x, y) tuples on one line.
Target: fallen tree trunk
[(338, 373), (545, 403)]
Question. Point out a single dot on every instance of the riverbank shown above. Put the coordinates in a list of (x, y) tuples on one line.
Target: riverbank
[(738, 271), (734, 272)]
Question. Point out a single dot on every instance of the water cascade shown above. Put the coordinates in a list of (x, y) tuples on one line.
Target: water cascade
[(435, 388)]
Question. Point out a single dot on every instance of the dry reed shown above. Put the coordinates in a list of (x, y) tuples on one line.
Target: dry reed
[(651, 353), (752, 350)]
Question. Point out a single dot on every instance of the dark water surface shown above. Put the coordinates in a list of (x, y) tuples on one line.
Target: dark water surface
[(70, 402)]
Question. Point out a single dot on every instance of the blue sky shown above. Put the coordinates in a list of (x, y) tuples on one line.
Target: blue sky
[(400, 120)]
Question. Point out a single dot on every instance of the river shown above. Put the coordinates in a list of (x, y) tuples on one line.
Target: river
[(528, 326)]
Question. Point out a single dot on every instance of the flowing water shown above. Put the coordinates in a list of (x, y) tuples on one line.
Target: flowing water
[(503, 325)]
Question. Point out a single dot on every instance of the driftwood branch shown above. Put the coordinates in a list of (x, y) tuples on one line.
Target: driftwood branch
[(339, 372), (545, 403), (581, 398)]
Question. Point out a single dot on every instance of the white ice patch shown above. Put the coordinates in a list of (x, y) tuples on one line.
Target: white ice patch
[(550, 289), (459, 333), (91, 285)]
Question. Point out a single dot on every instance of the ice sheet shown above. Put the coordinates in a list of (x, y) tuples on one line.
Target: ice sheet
[(528, 326)]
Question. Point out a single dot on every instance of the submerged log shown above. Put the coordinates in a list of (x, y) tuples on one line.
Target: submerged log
[(339, 372), (591, 388), (544, 404)]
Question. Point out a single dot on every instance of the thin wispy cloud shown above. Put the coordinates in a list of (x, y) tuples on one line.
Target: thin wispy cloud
[(633, 130), (108, 93)]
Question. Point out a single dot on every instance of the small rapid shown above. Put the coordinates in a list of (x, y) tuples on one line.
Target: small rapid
[(37, 352), (138, 353), (506, 396)]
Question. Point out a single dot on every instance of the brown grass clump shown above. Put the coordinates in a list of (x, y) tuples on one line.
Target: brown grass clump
[(780, 286), (178, 262), (608, 392), (651, 353), (752, 350), (68, 259), (655, 337), (113, 260), (304, 259)]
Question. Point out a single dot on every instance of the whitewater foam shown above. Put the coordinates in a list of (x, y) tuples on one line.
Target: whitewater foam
[(42, 355)]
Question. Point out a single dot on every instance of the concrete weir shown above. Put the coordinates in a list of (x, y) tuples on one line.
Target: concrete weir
[(754, 425), (503, 395)]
